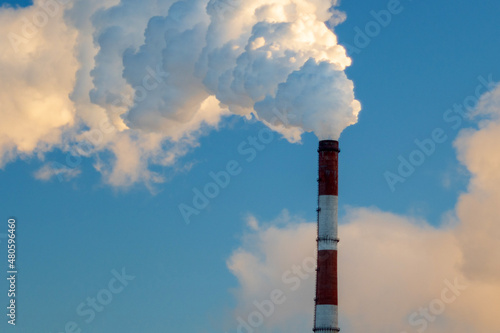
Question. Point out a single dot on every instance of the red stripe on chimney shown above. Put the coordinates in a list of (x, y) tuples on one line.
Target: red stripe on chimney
[(326, 278), (328, 170)]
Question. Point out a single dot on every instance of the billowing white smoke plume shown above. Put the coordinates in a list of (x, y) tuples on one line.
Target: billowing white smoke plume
[(280, 55), (143, 80), (306, 98), (38, 74)]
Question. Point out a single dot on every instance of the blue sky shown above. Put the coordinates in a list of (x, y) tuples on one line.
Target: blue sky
[(73, 234), (18, 3)]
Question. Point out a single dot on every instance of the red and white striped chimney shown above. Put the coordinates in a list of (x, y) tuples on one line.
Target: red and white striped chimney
[(326, 311)]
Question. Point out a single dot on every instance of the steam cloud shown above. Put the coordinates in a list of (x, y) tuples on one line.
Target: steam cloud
[(143, 80)]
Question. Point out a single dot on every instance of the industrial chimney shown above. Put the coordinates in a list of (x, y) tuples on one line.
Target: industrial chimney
[(326, 301)]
